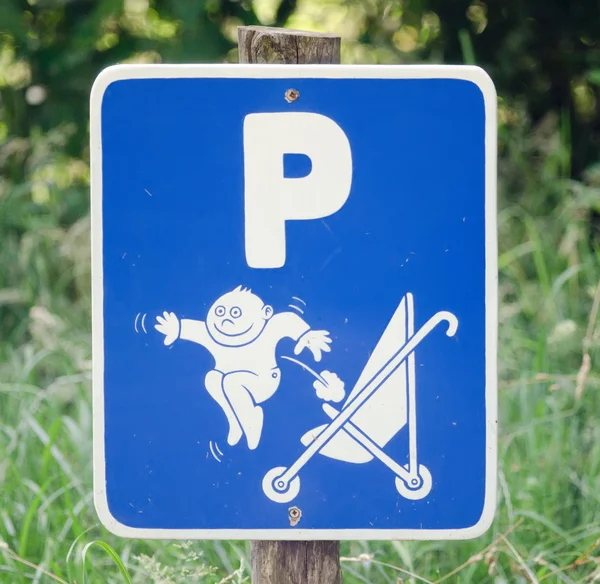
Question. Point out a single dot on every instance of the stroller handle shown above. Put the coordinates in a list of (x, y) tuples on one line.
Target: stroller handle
[(370, 387), (398, 358)]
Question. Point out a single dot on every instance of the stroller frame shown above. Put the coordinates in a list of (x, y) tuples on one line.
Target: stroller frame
[(413, 481)]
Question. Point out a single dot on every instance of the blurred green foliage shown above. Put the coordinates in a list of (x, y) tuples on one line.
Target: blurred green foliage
[(542, 54)]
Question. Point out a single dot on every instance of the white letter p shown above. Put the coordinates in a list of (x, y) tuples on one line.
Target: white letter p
[(270, 198)]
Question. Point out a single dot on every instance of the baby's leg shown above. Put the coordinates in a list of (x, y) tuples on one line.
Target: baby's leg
[(237, 387), (214, 385)]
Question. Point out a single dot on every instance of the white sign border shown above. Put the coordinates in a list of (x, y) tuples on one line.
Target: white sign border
[(473, 74)]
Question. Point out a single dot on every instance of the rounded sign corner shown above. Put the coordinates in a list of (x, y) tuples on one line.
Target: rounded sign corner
[(103, 81), (482, 79), (109, 521), (485, 521)]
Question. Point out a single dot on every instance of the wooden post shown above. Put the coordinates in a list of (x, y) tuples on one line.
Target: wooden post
[(261, 44), (291, 562), (296, 562)]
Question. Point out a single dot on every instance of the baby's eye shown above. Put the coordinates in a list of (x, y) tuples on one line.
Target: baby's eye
[(236, 312), (220, 311)]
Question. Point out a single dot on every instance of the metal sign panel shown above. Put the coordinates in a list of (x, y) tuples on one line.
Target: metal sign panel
[(295, 303)]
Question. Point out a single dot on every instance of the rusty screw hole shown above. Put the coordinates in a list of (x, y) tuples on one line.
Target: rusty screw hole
[(291, 95), (295, 515)]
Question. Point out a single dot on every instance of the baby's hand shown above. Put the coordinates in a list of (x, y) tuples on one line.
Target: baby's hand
[(332, 389), (316, 341), (168, 325)]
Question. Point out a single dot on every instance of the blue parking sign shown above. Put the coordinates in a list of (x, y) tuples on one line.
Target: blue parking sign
[(294, 301)]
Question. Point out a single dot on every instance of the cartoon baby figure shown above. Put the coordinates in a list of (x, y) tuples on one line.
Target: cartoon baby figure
[(242, 332)]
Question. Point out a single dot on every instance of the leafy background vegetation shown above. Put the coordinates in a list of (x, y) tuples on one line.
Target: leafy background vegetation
[(544, 57)]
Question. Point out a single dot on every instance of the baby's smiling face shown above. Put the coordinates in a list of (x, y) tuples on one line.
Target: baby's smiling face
[(237, 318)]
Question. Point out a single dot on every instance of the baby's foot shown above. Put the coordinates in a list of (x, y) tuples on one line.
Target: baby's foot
[(253, 427), (235, 432)]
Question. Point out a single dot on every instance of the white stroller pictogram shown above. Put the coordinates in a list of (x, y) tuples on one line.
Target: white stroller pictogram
[(381, 403)]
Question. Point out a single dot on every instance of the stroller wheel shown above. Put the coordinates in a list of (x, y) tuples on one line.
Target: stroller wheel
[(277, 490), (419, 490)]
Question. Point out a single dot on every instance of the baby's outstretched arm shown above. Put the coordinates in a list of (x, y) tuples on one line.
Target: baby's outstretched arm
[(195, 331), (291, 325), (316, 342), (168, 325), (188, 330)]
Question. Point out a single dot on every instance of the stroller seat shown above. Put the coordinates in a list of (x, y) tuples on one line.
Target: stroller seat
[(385, 413)]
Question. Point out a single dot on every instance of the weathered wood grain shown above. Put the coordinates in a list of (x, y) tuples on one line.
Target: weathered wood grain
[(296, 562), (258, 44)]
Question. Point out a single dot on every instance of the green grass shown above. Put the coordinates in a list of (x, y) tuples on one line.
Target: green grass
[(548, 521)]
